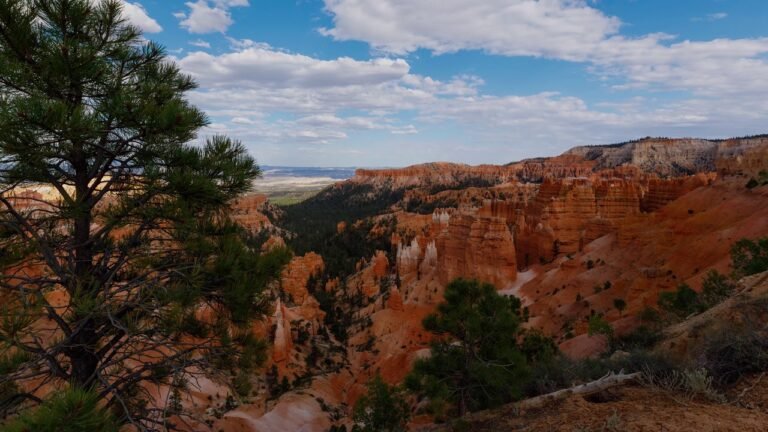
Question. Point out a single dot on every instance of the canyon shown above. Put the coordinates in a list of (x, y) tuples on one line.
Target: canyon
[(568, 235)]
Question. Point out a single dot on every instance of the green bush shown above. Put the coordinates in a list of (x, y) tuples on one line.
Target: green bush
[(537, 347), (680, 303), (750, 256), (761, 180), (643, 337), (716, 288), (650, 316), (382, 409), (599, 326)]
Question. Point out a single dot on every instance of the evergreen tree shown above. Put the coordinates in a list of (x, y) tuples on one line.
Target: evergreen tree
[(475, 362), (749, 256), (620, 305), (382, 409), (136, 237), (73, 410)]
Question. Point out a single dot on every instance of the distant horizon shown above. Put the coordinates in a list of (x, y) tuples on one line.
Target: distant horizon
[(352, 167)]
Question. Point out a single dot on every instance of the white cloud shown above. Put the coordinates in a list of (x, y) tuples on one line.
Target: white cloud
[(274, 99), (138, 16), (406, 130), (554, 28), (260, 66), (712, 68), (561, 29), (205, 16), (200, 43)]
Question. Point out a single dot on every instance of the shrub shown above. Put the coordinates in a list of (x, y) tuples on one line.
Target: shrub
[(761, 180), (242, 384), (382, 409), (599, 326), (537, 347), (715, 289), (620, 305), (733, 353), (685, 383), (651, 316), (643, 337), (613, 422), (681, 302), (750, 256)]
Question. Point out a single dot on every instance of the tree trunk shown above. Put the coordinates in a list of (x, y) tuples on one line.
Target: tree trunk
[(603, 383), (84, 282), (83, 356)]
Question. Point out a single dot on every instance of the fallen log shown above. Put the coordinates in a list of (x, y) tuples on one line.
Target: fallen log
[(604, 383)]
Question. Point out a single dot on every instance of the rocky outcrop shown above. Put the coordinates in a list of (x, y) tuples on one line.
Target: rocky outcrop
[(743, 156), (662, 191), (296, 274), (283, 342), (452, 245), (662, 156), (249, 211), (368, 282), (474, 247), (436, 174)]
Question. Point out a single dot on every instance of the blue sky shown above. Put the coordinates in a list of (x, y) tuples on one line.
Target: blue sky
[(398, 82)]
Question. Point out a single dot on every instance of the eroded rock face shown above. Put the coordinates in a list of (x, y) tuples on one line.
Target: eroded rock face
[(296, 275), (645, 255), (283, 341), (743, 156), (452, 244), (249, 211), (474, 247), (435, 174)]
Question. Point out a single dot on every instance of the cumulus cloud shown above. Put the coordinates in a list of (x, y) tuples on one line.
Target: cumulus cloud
[(206, 16), (569, 30), (277, 98), (554, 28), (713, 68), (258, 66), (138, 16)]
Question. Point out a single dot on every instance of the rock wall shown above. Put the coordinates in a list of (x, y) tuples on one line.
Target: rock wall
[(475, 247), (743, 157)]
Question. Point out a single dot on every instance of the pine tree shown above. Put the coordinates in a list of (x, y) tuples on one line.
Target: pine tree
[(137, 235), (476, 361)]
